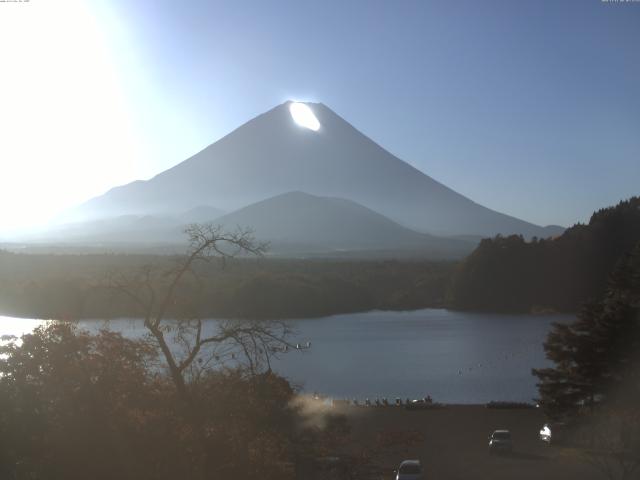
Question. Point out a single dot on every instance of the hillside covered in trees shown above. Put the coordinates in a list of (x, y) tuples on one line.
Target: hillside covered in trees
[(76, 286), (593, 386), (509, 274)]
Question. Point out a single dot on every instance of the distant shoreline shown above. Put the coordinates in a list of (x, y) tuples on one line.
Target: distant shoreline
[(546, 312), (76, 287)]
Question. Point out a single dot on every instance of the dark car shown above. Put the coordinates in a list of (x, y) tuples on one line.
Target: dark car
[(409, 470), (500, 442)]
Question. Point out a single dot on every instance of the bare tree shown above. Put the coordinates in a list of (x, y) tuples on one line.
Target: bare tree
[(188, 345)]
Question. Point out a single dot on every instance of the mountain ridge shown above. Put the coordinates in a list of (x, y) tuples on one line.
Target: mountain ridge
[(270, 155), (314, 224)]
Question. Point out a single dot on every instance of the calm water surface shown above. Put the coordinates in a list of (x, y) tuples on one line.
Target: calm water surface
[(456, 357)]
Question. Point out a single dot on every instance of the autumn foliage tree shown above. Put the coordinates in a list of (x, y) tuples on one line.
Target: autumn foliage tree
[(75, 405)]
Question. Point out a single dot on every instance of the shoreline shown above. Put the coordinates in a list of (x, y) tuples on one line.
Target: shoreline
[(442, 307)]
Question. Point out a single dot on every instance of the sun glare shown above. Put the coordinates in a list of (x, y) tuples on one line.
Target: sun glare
[(303, 116), (64, 119)]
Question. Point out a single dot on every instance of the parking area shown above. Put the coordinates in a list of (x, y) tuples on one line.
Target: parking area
[(453, 443)]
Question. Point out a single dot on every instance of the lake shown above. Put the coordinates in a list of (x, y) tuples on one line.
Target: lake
[(456, 357)]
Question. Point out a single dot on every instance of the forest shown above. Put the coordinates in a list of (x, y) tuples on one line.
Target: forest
[(510, 274), (78, 286), (503, 274)]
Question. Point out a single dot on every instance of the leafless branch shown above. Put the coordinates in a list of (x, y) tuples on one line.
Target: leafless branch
[(155, 294)]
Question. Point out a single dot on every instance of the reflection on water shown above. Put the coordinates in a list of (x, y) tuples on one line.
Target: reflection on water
[(455, 357)]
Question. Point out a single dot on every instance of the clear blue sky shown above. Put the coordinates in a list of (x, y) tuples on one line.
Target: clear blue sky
[(531, 108)]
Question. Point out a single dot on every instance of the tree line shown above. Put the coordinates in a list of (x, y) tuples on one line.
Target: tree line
[(75, 286), (510, 274)]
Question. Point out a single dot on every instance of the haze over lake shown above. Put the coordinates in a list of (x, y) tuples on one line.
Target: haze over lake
[(456, 357)]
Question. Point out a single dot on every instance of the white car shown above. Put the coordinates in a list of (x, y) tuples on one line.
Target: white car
[(409, 470), (552, 432)]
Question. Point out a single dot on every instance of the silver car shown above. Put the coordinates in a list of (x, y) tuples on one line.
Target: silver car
[(409, 470)]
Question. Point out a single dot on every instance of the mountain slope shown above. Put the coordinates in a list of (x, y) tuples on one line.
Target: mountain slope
[(302, 222), (270, 155), (200, 214)]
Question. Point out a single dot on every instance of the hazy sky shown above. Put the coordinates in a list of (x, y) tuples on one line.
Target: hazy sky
[(531, 108)]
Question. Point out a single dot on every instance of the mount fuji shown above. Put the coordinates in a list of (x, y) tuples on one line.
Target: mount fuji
[(271, 155)]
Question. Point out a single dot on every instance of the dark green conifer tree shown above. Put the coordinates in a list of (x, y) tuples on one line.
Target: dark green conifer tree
[(597, 358)]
